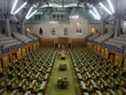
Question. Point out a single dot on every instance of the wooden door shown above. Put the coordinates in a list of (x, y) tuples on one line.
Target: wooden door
[(63, 42), (1, 65), (112, 57)]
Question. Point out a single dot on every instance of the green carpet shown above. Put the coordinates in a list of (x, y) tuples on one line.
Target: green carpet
[(73, 88)]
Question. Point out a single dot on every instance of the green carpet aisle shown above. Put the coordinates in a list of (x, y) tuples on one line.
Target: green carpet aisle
[(73, 88)]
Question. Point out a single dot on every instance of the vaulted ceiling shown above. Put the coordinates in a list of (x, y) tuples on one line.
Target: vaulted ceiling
[(46, 7)]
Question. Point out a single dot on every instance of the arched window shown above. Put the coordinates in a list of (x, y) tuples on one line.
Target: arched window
[(12, 35), (79, 30), (41, 31), (53, 31), (3, 30), (18, 27), (106, 30), (65, 31)]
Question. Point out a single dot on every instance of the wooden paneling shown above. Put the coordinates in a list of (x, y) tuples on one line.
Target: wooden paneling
[(124, 64), (118, 59), (47, 42), (15, 54), (1, 64), (78, 42), (5, 61), (63, 41), (23, 52), (19, 56)]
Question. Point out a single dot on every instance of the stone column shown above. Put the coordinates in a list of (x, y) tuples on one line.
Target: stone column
[(117, 19), (102, 26), (8, 29), (117, 27), (23, 27)]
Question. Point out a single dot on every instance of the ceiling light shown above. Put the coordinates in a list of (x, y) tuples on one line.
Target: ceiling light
[(96, 12), (32, 14), (55, 5), (61, 6), (29, 11), (14, 6), (107, 10), (39, 13), (20, 8), (74, 17), (94, 15), (70, 5), (111, 6), (53, 22)]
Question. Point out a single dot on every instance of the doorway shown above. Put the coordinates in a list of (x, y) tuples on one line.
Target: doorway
[(63, 42), (112, 57)]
